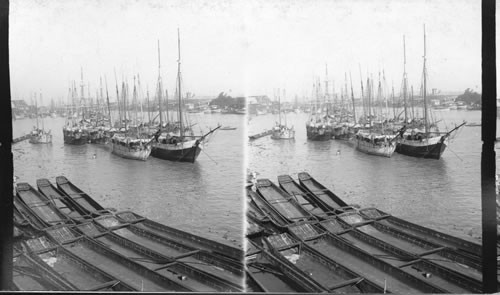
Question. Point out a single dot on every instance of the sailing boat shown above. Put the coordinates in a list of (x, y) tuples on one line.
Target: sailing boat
[(131, 145), (427, 144), (75, 132), (38, 135), (176, 141), (319, 125), (282, 131), (375, 142)]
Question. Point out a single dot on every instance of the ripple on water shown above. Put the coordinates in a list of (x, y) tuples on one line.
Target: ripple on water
[(191, 197), (441, 194)]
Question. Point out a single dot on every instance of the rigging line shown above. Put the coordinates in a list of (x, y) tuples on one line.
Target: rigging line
[(209, 157), (455, 154)]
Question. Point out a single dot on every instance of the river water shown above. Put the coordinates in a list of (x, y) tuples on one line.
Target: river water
[(441, 194), (203, 198)]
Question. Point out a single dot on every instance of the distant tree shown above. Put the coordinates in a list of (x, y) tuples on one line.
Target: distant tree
[(469, 97)]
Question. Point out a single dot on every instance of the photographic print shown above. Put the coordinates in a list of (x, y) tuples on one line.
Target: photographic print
[(289, 146), (364, 153), (129, 150)]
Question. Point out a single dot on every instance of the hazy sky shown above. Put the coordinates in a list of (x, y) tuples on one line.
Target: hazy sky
[(241, 47)]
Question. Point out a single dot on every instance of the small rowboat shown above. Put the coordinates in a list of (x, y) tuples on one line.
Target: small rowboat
[(228, 128)]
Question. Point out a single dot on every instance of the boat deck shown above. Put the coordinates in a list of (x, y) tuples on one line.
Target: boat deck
[(281, 201), (330, 201), (382, 252)]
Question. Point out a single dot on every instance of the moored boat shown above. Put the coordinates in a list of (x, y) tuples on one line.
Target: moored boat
[(39, 135), (130, 147), (281, 130), (430, 143), (87, 205), (176, 141), (75, 135), (375, 144), (283, 203)]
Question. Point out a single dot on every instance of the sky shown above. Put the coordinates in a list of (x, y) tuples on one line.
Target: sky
[(241, 47)]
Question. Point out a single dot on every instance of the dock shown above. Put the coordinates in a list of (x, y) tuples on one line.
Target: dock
[(21, 138), (66, 241), (348, 249), (259, 135)]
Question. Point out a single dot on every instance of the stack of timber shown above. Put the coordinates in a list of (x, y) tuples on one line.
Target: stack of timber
[(66, 241), (304, 238)]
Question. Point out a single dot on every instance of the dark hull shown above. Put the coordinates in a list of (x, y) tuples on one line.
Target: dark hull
[(98, 139), (316, 135), (184, 155), (344, 136), (75, 140), (431, 151)]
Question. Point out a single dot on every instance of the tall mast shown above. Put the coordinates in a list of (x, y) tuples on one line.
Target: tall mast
[(159, 86), (134, 102), (166, 104), (82, 99), (284, 97), (124, 97), (107, 101), (393, 102), (179, 82), (352, 97), (100, 84), (279, 106), (43, 126), (405, 79), (141, 96), (385, 95), (147, 99), (425, 88), (90, 108), (369, 93), (362, 92), (412, 104), (327, 96), (118, 103), (36, 111), (346, 93)]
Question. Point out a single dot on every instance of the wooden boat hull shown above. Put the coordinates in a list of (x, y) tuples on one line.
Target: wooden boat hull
[(274, 217), (282, 202), (87, 205), (259, 135), (325, 272), (98, 139), (284, 133), (282, 278), (141, 154), (81, 274), (383, 149), (132, 273), (324, 197), (183, 237), (39, 206), (30, 274), (428, 149), (287, 184), (75, 138), (41, 138), (318, 133), (185, 152), (64, 204), (423, 232)]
